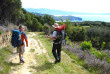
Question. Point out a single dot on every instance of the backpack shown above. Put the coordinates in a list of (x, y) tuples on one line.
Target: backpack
[(16, 38), (60, 28), (62, 34)]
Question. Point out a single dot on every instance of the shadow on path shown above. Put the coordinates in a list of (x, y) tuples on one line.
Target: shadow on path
[(43, 67), (12, 64)]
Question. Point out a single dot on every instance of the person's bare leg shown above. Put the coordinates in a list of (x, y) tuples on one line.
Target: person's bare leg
[(20, 57)]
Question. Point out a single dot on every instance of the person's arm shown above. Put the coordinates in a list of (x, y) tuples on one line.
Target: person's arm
[(26, 41), (25, 37), (53, 35), (50, 37)]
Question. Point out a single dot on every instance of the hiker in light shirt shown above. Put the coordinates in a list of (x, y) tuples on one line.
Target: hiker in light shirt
[(56, 44)]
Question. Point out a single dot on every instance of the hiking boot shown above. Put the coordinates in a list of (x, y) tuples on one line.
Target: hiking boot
[(22, 61), (59, 60), (56, 61)]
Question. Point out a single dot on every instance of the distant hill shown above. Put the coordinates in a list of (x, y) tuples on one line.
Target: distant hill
[(59, 12), (71, 18), (57, 18)]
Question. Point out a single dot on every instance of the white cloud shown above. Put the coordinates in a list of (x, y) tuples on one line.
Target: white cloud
[(96, 6)]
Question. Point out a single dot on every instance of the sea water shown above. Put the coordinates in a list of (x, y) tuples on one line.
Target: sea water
[(103, 18)]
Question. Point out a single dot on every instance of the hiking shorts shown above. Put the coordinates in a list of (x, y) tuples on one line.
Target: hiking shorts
[(20, 49)]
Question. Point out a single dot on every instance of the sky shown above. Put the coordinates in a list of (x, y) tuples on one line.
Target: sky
[(89, 6)]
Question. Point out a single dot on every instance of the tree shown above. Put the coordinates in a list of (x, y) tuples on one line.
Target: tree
[(35, 25), (48, 19), (103, 23), (40, 19), (8, 8), (61, 23)]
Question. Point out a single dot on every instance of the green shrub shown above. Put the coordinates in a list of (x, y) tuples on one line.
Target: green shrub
[(86, 45), (67, 38), (48, 29), (108, 59), (98, 35), (103, 45), (0, 31), (99, 54), (76, 33)]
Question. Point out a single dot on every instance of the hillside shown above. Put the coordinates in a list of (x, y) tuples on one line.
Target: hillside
[(58, 18)]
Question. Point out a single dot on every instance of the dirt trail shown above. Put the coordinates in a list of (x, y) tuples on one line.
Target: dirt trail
[(35, 48)]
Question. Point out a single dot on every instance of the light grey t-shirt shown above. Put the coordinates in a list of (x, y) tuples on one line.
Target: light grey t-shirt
[(54, 34), (56, 40)]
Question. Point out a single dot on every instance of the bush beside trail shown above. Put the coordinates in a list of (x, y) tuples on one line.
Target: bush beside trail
[(88, 60), (99, 35)]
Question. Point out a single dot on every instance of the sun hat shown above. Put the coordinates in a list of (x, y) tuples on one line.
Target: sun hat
[(55, 25)]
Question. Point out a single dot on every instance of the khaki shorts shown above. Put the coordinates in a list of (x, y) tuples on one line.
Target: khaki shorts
[(20, 49)]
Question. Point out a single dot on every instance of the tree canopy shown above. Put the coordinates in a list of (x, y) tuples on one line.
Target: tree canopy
[(11, 11)]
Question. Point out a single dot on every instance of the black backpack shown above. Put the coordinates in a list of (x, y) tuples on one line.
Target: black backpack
[(62, 35)]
